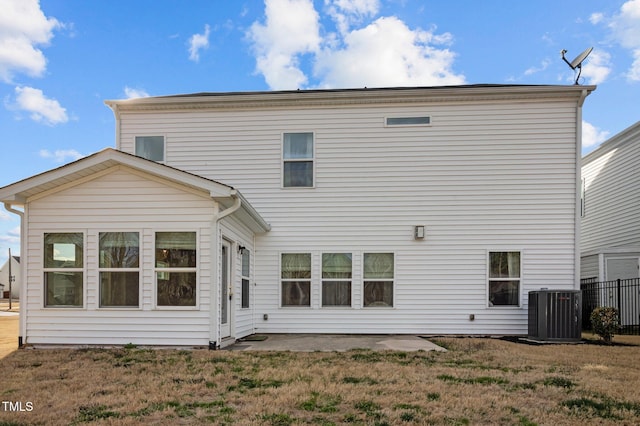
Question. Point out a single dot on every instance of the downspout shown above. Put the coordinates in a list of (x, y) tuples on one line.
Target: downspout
[(578, 215), (116, 114), (23, 288), (236, 205), (217, 216)]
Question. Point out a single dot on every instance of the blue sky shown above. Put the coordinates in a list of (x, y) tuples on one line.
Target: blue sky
[(60, 59)]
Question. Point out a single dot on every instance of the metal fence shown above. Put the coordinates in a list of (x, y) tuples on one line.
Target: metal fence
[(623, 295)]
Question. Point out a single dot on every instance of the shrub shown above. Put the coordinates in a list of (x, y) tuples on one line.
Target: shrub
[(604, 321)]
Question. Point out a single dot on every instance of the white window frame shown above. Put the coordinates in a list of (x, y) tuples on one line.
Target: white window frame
[(489, 279), (298, 160), (583, 200), (164, 147), (392, 280), (246, 278), (83, 270), (195, 269), (349, 280), (408, 116), (138, 270), (282, 280)]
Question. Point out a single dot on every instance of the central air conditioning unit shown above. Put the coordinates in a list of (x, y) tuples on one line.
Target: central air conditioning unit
[(555, 315)]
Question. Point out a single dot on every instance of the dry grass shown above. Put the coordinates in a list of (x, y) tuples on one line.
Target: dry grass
[(478, 381)]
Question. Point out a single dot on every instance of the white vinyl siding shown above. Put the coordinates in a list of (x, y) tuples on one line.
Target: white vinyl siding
[(123, 200), (612, 198), (242, 321), (485, 174)]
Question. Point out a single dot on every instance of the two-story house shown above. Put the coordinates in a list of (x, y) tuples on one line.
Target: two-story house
[(218, 215), (611, 208)]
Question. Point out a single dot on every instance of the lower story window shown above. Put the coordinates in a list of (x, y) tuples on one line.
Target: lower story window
[(504, 278), (63, 288), (246, 270), (63, 269), (336, 279), (378, 279), (119, 263), (295, 272), (119, 289), (176, 277)]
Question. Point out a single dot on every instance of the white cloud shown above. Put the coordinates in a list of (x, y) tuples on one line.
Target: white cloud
[(291, 30), (597, 67), (625, 30), (23, 27), (131, 93), (349, 12), (534, 70), (12, 236), (592, 136), (61, 155), (42, 109), (198, 42), (388, 53), (634, 72), (4, 216), (596, 18)]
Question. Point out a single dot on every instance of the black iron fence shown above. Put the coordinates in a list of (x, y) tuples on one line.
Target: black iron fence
[(623, 295)]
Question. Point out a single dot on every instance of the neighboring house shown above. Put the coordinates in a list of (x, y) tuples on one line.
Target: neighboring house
[(4, 278), (610, 231), (399, 210)]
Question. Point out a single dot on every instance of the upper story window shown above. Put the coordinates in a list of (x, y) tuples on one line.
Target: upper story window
[(150, 147), (424, 120), (63, 269), (297, 157)]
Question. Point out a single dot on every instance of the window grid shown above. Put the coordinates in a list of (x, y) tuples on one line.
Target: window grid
[(63, 269), (119, 269), (298, 160), (246, 271), (504, 278), (295, 276), (337, 275)]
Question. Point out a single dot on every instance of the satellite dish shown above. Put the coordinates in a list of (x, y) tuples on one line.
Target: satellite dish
[(577, 62)]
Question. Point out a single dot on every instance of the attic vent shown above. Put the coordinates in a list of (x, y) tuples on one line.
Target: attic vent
[(408, 121)]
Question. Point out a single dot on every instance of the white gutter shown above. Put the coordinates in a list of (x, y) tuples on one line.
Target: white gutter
[(116, 114), (22, 338)]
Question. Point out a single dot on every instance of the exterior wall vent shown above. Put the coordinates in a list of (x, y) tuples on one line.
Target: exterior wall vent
[(555, 315)]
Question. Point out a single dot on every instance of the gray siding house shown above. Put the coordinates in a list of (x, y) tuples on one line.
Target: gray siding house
[(610, 231), (396, 210)]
